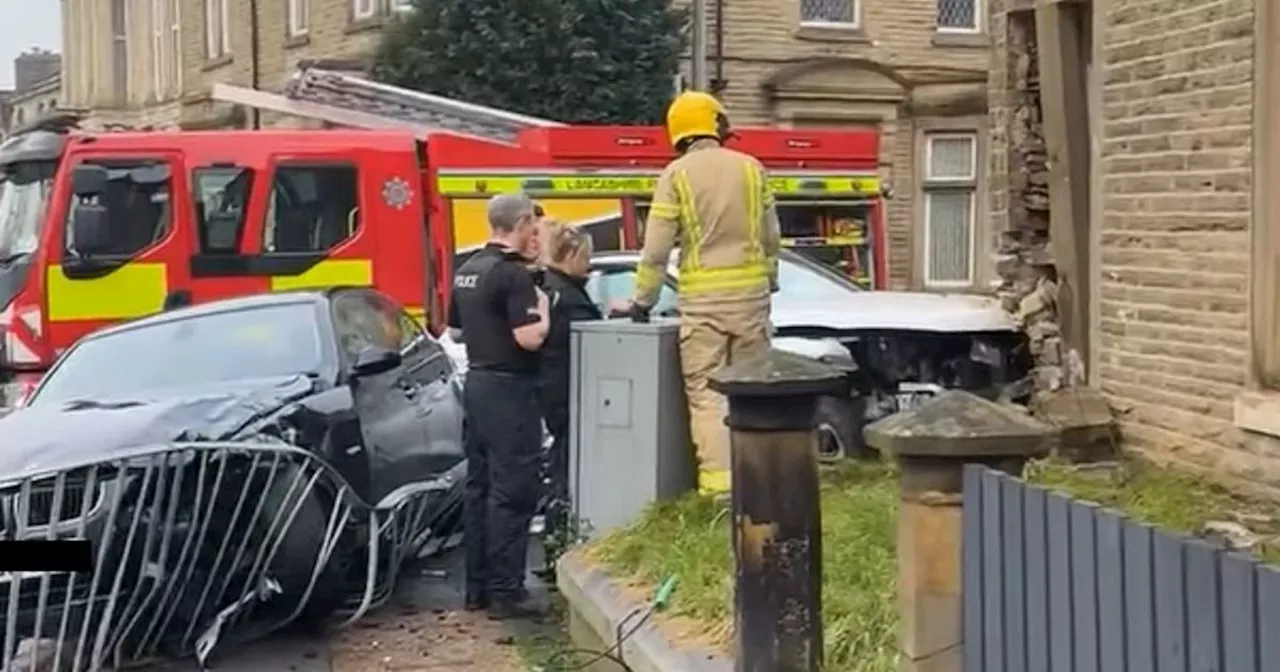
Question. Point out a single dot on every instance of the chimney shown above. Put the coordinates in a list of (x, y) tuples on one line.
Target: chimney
[(35, 66)]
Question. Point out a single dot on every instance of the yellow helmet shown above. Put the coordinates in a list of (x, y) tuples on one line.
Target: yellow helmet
[(696, 114)]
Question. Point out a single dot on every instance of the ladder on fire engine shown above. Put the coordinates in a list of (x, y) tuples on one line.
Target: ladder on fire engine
[(342, 99)]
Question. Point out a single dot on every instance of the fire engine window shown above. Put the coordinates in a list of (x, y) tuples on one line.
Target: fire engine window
[(220, 198), (606, 233), (832, 233), (312, 208), (138, 203)]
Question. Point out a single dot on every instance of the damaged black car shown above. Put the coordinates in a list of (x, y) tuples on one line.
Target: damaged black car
[(238, 466)]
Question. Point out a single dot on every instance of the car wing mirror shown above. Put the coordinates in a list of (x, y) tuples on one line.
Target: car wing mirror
[(374, 360)]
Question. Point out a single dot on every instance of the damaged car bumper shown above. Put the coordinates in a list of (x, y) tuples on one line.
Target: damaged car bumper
[(199, 545)]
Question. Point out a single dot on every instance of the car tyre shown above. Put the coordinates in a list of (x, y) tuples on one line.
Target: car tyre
[(840, 421), (294, 560)]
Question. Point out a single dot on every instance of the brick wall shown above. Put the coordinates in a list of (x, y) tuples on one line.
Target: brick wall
[(331, 34), (1174, 240)]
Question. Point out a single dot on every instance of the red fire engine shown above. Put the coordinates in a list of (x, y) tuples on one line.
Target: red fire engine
[(224, 213)]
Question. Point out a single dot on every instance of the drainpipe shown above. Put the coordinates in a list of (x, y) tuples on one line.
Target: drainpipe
[(254, 49), (698, 47), (718, 83)]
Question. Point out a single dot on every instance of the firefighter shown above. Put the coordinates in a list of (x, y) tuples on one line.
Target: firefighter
[(716, 205)]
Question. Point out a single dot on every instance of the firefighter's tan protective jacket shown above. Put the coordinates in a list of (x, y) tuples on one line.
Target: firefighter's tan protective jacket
[(716, 205)]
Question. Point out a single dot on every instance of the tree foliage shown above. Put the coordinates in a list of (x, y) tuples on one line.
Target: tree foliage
[(575, 61)]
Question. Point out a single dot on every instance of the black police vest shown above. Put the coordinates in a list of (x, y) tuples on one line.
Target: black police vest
[(481, 302)]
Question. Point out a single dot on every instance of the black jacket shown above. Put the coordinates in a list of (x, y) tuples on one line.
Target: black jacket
[(569, 303)]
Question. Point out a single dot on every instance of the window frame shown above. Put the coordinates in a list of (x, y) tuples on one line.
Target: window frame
[(297, 18), (979, 276), (855, 24), (175, 44), (170, 226), (363, 10), (400, 6), (1264, 277), (197, 198), (158, 60), (269, 212), (975, 29), (217, 38), (120, 51)]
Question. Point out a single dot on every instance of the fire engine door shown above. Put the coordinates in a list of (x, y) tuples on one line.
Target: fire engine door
[(147, 213)]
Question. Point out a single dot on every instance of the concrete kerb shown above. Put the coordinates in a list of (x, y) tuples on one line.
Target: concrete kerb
[(597, 605)]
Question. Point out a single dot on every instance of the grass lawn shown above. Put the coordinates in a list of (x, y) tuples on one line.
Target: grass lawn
[(1171, 499), (690, 538)]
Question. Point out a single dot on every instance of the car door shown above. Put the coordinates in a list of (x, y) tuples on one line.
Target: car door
[(438, 394), (387, 404), (430, 386)]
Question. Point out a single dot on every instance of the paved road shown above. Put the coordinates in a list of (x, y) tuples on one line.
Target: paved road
[(423, 615)]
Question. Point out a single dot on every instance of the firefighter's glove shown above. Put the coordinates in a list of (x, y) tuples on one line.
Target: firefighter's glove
[(640, 313)]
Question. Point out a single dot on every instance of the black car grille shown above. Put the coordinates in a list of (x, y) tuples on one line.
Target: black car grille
[(39, 508)]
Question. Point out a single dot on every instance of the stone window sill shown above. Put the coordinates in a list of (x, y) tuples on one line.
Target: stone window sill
[(1258, 411), (295, 41), (362, 25), (215, 63), (830, 32), (969, 40)]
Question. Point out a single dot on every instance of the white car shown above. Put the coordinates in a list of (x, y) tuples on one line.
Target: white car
[(899, 346)]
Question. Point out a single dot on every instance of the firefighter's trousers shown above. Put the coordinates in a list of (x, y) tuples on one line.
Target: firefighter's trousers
[(711, 336)]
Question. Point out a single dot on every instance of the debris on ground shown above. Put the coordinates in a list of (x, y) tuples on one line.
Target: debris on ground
[(406, 638)]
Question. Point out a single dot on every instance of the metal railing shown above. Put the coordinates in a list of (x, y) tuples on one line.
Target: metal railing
[(197, 545)]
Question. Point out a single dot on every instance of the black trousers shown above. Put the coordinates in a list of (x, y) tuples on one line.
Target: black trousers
[(504, 452)]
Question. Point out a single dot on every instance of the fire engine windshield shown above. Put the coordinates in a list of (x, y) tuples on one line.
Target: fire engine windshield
[(24, 194)]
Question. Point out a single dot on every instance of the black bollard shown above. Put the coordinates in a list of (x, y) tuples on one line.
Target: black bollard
[(777, 517)]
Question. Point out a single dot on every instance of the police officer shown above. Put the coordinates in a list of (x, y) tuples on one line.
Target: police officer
[(502, 318), (716, 204)]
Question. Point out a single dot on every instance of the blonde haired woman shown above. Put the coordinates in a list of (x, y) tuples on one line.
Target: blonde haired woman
[(566, 256)]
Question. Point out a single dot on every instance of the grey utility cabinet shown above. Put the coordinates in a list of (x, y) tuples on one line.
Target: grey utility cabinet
[(629, 444)]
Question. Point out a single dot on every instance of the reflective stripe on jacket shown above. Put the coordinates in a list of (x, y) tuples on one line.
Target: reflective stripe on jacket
[(716, 205)]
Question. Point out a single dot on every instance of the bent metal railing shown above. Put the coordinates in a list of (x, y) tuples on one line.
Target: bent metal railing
[(199, 544)]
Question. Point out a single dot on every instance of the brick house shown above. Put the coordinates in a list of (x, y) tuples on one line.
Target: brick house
[(1154, 177), (152, 62), (913, 69)]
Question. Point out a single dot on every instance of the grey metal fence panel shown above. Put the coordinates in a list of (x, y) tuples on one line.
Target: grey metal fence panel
[(1058, 528), (1037, 594), (1204, 635), (1139, 599), (1171, 602), (1084, 587), (971, 554), (1239, 613), (1110, 536), (1268, 616), (1053, 584), (993, 576), (1015, 597)]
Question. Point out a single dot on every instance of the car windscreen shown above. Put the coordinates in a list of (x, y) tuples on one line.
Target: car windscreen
[(202, 349), (798, 281)]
